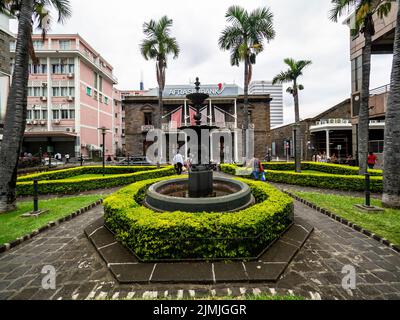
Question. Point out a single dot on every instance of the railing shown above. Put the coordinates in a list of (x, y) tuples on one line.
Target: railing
[(380, 90), (332, 121)]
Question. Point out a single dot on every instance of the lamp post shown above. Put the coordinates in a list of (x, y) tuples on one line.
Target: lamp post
[(104, 132)]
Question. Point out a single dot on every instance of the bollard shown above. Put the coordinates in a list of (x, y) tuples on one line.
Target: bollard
[(35, 196), (367, 190)]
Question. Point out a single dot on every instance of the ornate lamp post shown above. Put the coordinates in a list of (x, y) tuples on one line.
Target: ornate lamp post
[(104, 132)]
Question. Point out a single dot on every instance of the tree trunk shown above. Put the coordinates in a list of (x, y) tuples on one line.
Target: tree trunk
[(363, 118), (297, 128), (245, 107), (391, 174), (15, 118)]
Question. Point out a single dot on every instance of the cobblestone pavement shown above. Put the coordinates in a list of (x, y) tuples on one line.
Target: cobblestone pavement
[(315, 273)]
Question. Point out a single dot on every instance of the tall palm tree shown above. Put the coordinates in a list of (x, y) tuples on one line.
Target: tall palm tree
[(30, 13), (364, 23), (157, 45), (244, 38), (291, 75), (391, 174)]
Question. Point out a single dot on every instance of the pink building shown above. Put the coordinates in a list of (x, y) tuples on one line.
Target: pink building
[(70, 96)]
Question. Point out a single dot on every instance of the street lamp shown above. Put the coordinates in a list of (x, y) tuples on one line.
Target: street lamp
[(104, 132)]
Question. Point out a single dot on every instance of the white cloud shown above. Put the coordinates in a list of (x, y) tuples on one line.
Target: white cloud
[(303, 31)]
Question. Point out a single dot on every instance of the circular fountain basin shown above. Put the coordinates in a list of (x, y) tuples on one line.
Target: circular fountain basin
[(172, 195)]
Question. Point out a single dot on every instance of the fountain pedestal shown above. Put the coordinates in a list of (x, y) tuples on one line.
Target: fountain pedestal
[(200, 182)]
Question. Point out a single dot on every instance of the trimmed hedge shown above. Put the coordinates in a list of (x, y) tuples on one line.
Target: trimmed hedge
[(72, 172), (70, 186), (319, 180), (154, 236), (319, 166)]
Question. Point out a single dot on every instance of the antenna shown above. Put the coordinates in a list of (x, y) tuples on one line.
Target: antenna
[(141, 81)]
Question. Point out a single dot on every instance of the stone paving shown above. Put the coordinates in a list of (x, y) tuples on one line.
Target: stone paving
[(315, 273)]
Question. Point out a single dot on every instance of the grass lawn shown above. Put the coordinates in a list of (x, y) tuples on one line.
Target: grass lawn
[(385, 224), (13, 226)]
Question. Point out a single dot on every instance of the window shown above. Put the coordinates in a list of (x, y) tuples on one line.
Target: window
[(44, 114), (95, 95), (116, 115), (36, 114), (71, 68), (71, 91), (106, 100), (148, 118), (35, 91), (64, 114), (56, 114), (29, 115), (95, 80), (37, 44), (100, 83), (89, 91), (65, 44), (100, 97), (56, 92), (64, 91), (123, 119)]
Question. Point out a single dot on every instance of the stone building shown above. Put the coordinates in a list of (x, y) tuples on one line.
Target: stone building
[(329, 132), (224, 110)]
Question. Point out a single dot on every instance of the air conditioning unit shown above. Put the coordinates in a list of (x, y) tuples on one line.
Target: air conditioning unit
[(44, 98), (34, 122), (70, 98), (70, 75), (42, 123), (28, 122), (68, 129), (57, 121)]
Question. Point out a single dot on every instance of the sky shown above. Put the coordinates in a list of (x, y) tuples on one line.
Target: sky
[(303, 31)]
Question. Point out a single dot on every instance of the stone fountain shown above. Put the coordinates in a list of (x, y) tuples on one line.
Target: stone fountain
[(201, 192)]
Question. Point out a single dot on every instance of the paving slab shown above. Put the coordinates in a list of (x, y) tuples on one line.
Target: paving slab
[(230, 272), (182, 273), (264, 271)]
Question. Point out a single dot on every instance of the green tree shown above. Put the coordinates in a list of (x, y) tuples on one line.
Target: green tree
[(391, 174), (364, 23), (291, 75), (30, 14), (244, 38), (157, 45)]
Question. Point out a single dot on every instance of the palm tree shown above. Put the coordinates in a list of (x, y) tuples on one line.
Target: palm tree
[(244, 39), (30, 13), (157, 45), (291, 75), (391, 174), (364, 23)]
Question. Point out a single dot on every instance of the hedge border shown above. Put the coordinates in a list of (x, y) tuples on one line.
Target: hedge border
[(352, 225), (154, 236), (8, 246), (330, 168), (71, 186), (320, 180)]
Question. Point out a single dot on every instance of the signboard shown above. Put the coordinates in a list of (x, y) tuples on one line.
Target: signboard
[(218, 90)]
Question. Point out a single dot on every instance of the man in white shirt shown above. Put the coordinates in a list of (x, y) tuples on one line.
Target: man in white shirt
[(178, 163)]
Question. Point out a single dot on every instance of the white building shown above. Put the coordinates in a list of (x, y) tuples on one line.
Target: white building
[(5, 36), (276, 93)]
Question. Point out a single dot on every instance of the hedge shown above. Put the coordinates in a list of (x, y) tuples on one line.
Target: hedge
[(172, 236), (319, 180), (77, 171), (319, 166), (71, 186)]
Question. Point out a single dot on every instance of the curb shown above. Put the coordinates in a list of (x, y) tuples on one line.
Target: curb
[(341, 220), (8, 246)]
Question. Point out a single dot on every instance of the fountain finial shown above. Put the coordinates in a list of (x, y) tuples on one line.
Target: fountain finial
[(197, 83)]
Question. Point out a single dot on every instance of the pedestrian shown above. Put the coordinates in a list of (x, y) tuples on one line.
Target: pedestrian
[(372, 160), (257, 168), (178, 162), (67, 158)]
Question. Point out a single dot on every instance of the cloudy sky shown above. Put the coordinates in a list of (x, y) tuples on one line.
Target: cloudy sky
[(303, 31)]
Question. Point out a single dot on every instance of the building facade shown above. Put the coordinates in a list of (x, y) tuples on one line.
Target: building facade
[(275, 91), (5, 60), (329, 132), (224, 110), (70, 96), (382, 43)]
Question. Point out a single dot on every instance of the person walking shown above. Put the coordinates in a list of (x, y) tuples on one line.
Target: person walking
[(372, 160), (178, 162), (67, 158)]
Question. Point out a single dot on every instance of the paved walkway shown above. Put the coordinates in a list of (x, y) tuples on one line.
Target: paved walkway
[(314, 273)]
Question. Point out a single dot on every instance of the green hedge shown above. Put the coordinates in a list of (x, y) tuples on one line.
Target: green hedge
[(71, 186), (319, 166), (319, 180), (156, 236), (72, 172)]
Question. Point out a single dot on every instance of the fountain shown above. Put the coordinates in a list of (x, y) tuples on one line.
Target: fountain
[(201, 192)]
